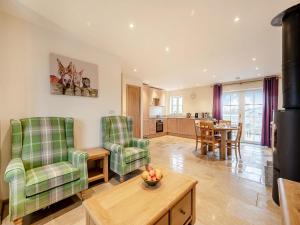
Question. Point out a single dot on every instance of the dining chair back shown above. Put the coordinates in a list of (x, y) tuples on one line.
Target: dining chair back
[(236, 143), (207, 134), (207, 131)]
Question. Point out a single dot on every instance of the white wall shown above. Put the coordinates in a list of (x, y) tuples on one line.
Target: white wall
[(201, 103), (25, 89), (204, 96)]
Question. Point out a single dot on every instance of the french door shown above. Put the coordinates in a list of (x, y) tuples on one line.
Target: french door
[(245, 106)]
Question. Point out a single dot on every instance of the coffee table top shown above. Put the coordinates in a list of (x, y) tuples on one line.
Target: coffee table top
[(133, 202)]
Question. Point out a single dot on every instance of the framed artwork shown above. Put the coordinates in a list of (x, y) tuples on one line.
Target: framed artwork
[(73, 77)]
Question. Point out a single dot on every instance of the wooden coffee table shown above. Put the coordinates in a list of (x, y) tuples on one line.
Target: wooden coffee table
[(98, 173), (172, 201)]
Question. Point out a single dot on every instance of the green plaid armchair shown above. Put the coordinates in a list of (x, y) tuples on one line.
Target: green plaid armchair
[(127, 153), (45, 167)]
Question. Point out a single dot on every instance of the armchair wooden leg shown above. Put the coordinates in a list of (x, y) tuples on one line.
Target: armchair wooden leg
[(18, 221), (82, 195), (122, 179)]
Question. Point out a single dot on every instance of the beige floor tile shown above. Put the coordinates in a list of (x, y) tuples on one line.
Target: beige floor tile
[(229, 192)]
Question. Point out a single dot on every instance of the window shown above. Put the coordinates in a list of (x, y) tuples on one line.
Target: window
[(245, 106), (176, 105), (231, 107)]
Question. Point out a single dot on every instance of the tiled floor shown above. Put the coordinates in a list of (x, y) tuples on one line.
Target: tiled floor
[(228, 192)]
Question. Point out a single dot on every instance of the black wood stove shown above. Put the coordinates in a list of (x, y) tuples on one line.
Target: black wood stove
[(286, 155)]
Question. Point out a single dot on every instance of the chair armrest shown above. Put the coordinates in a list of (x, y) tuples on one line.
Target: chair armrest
[(16, 176), (79, 160), (77, 157), (115, 148), (15, 170), (139, 143)]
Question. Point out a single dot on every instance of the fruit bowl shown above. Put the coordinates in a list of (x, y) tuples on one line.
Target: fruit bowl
[(151, 176)]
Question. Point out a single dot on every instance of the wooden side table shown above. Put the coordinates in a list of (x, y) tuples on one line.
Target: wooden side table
[(98, 173)]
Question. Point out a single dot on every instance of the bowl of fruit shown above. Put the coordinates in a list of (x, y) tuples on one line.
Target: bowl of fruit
[(151, 176)]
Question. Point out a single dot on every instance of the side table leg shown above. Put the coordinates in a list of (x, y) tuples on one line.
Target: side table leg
[(87, 218), (105, 168)]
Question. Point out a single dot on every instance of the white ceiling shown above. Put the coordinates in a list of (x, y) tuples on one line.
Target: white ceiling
[(201, 34)]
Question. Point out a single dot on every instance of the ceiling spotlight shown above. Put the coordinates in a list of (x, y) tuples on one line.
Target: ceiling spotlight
[(258, 74), (214, 76), (253, 59), (236, 19), (167, 48), (256, 68), (205, 70), (135, 70), (131, 26), (88, 23)]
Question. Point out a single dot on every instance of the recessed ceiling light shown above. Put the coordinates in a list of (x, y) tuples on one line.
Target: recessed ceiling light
[(131, 26), (258, 74), (236, 19), (167, 48), (253, 59), (135, 70), (88, 23), (256, 68), (205, 70), (214, 76), (192, 12)]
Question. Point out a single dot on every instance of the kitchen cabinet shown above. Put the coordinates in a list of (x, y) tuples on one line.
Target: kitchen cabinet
[(146, 128), (188, 126), (172, 125), (152, 126), (181, 127)]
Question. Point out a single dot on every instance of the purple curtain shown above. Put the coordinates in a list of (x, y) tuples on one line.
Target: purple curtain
[(217, 102), (270, 104)]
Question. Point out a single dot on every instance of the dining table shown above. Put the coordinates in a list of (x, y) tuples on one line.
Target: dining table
[(224, 130)]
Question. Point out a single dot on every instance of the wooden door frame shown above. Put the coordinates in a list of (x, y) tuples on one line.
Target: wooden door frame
[(140, 104)]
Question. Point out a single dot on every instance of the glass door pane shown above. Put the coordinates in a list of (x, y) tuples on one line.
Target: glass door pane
[(231, 107), (245, 106), (252, 116)]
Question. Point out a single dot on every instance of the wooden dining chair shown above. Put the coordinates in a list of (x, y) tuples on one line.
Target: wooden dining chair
[(236, 143), (197, 133), (208, 138)]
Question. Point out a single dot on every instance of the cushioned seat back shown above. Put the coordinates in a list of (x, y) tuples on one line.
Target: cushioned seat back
[(44, 141), (117, 129)]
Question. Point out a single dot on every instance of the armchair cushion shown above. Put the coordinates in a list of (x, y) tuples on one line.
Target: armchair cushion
[(133, 153), (44, 178)]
